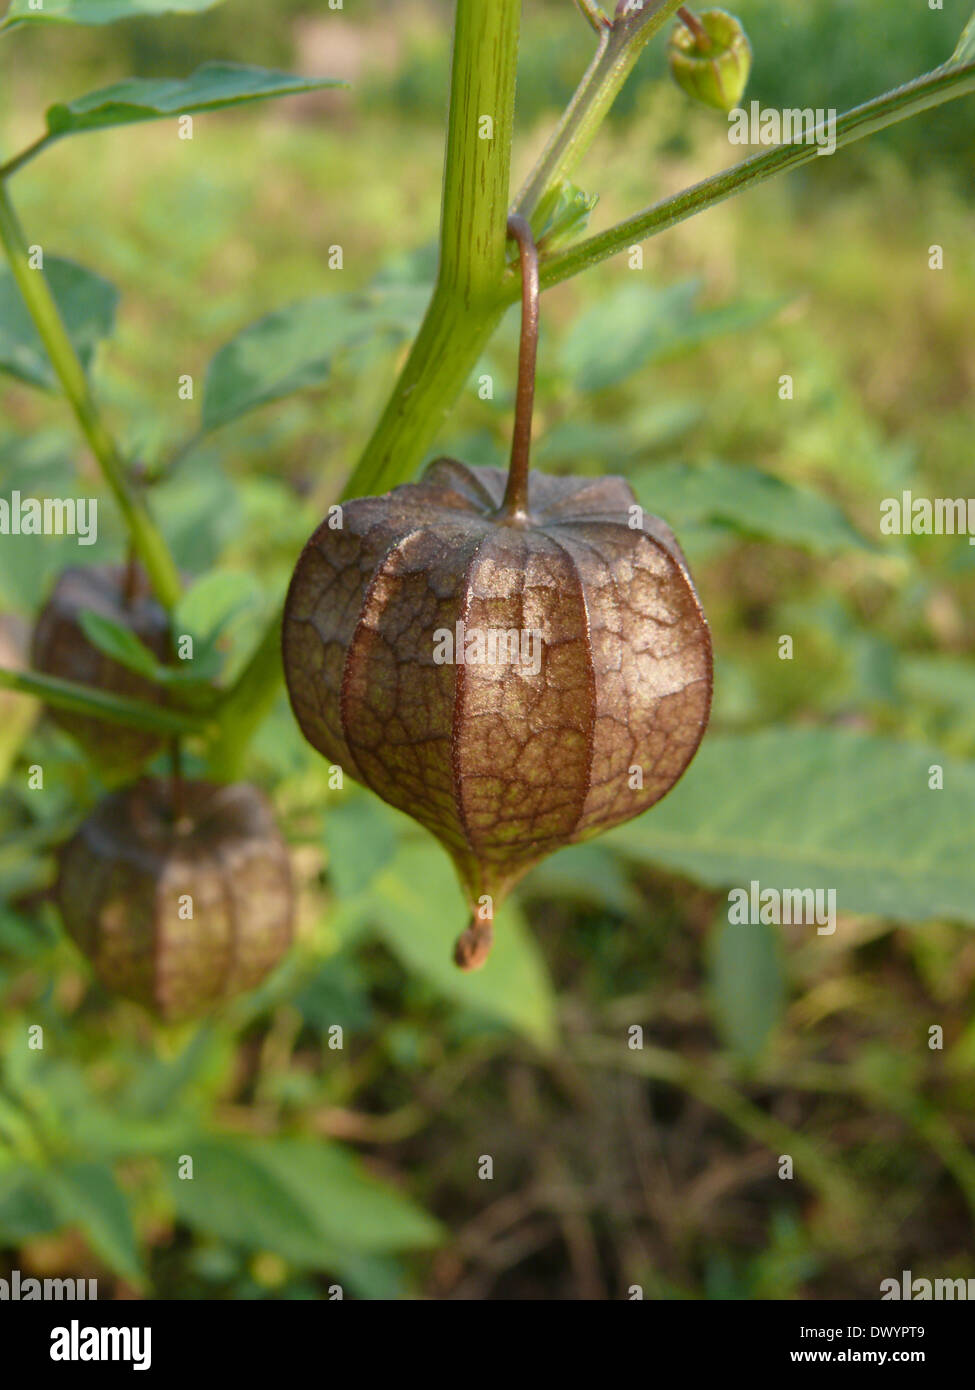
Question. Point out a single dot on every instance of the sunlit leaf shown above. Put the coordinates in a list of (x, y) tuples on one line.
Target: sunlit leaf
[(746, 501), (98, 11), (820, 808), (211, 611), (210, 88)]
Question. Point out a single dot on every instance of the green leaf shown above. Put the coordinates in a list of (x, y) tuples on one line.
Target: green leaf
[(203, 613), (420, 911), (746, 501), (747, 984), (576, 441), (119, 642), (306, 1200), (207, 612), (336, 992), (190, 679), (636, 325), (373, 1277), (820, 808), (965, 51), (361, 840), (562, 214), (21, 935), (231, 1195), (587, 873), (946, 682), (208, 605), (85, 302), (98, 11), (88, 699), (24, 1211), (353, 1208), (86, 1195), (210, 88), (17, 718), (200, 513), (292, 348)]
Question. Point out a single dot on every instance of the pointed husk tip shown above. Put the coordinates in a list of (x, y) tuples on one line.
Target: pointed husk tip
[(474, 945)]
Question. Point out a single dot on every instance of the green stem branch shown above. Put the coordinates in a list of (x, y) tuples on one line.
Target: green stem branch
[(465, 311), (933, 89), (443, 355), (146, 538), (18, 161), (594, 14), (620, 45)]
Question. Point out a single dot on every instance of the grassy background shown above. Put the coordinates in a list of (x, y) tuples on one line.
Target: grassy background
[(612, 1166)]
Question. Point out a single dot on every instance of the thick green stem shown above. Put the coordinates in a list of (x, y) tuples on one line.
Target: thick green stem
[(246, 704), (465, 307), (620, 46), (474, 286), (457, 328), (933, 89), (147, 540), (473, 229), (444, 353)]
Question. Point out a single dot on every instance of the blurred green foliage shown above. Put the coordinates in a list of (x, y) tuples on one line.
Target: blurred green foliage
[(317, 1163)]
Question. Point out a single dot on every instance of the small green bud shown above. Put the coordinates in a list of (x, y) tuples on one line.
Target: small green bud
[(711, 65), (562, 214)]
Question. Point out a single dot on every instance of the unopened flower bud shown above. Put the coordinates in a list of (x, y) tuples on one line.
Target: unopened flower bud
[(711, 62)]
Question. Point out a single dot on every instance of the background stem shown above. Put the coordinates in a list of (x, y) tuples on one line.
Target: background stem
[(146, 538), (176, 780)]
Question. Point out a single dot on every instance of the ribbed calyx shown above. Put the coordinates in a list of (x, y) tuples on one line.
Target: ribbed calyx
[(515, 684), (59, 647), (711, 58), (178, 916)]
